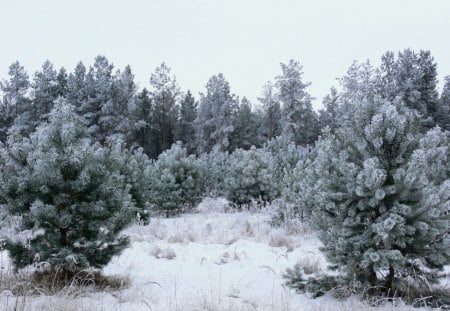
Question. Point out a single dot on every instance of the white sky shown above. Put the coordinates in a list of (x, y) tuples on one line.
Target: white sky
[(244, 39)]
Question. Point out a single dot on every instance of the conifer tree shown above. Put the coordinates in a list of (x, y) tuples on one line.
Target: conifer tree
[(176, 182), (45, 91), (300, 124), (245, 129), (250, 177), (214, 165), (165, 93), (379, 192), (444, 106), (71, 198), (17, 106), (271, 126), (185, 131), (142, 132), (214, 120)]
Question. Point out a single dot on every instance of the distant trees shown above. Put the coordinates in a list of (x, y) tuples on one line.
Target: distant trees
[(214, 120), (84, 152), (298, 118), (164, 93)]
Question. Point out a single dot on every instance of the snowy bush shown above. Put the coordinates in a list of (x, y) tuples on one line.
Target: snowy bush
[(214, 167), (176, 181), (72, 202), (135, 166), (381, 194), (294, 192), (250, 177)]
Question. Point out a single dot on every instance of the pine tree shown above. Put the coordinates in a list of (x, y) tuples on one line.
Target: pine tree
[(272, 112), (45, 91), (177, 181), (76, 87), (299, 120), (329, 115), (380, 193), (165, 93), (17, 107), (413, 78), (142, 132), (70, 198), (245, 127), (214, 166), (185, 130), (444, 112), (214, 120), (250, 177)]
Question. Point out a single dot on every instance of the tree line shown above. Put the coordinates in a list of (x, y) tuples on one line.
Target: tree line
[(85, 153)]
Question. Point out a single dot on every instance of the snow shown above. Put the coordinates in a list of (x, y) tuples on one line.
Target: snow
[(209, 260)]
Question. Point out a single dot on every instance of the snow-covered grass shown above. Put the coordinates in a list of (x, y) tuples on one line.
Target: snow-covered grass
[(208, 260)]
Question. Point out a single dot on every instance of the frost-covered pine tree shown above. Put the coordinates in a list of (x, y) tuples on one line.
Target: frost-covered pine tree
[(214, 119), (328, 116), (176, 181), (271, 126), (214, 166), (444, 106), (73, 203), (17, 112), (45, 91), (299, 121), (250, 177), (185, 130), (165, 93), (380, 193), (245, 127), (413, 78)]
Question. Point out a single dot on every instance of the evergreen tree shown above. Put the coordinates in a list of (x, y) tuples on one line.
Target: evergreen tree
[(76, 87), (165, 92), (444, 113), (413, 78), (185, 131), (250, 177), (17, 107), (214, 166), (245, 127), (298, 118), (177, 181), (271, 126), (62, 82), (329, 115), (70, 198), (45, 91), (142, 132), (214, 120), (380, 192), (114, 116)]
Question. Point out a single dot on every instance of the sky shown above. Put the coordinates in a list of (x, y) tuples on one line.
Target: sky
[(244, 39)]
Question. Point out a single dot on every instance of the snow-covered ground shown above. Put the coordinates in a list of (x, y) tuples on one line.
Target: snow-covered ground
[(210, 260)]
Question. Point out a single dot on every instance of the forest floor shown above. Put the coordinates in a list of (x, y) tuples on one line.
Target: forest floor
[(207, 260)]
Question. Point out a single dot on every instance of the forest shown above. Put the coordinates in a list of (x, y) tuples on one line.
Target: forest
[(84, 154)]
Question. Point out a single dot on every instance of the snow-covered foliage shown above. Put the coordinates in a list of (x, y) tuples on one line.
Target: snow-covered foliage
[(71, 200), (250, 177), (300, 124), (214, 122), (214, 166), (136, 168), (380, 195), (176, 181)]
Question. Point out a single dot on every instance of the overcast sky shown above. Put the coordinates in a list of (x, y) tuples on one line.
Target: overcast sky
[(244, 39)]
